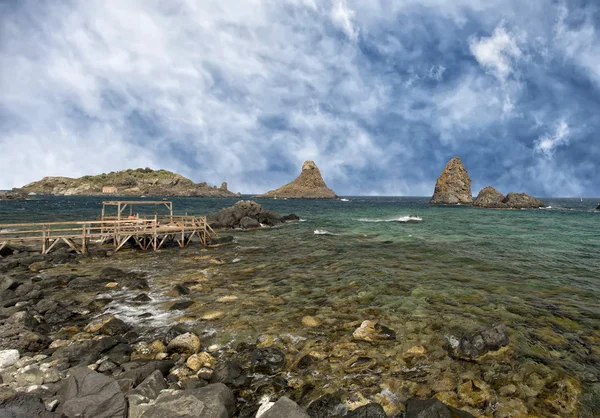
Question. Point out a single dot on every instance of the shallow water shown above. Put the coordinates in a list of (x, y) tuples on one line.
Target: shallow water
[(425, 271)]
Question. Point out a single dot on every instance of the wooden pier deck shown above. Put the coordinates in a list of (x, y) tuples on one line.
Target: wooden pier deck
[(146, 232)]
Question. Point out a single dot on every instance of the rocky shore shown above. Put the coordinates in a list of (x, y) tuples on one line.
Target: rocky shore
[(247, 214), (138, 182), (63, 353)]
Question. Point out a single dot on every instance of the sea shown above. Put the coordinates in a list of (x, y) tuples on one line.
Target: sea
[(428, 272)]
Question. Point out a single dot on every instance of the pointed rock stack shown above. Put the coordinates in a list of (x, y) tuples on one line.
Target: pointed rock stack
[(308, 185), (453, 186)]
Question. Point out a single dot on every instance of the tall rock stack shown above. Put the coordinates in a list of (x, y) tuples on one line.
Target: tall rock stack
[(308, 185), (453, 186)]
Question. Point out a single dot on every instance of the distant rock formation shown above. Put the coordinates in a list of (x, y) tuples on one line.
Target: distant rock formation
[(493, 199), (247, 214), (140, 182), (598, 207), (308, 185), (453, 186), (490, 198), (12, 195), (522, 201)]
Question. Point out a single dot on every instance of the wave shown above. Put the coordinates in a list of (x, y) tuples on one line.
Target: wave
[(323, 232), (344, 200), (403, 219)]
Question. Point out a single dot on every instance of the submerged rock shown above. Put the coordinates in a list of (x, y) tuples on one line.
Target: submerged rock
[(267, 360), (432, 408), (453, 186), (473, 346), (327, 406), (308, 185), (372, 331), (371, 410)]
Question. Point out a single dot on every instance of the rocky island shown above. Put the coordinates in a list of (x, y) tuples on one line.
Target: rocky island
[(493, 199), (308, 185), (142, 181), (453, 186)]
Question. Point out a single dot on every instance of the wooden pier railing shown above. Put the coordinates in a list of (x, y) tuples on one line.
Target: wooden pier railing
[(150, 233)]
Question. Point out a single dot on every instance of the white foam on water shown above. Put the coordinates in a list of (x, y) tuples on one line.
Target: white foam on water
[(323, 232), (301, 220), (344, 200), (236, 260), (403, 219)]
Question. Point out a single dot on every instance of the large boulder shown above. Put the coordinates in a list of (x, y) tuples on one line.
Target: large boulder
[(87, 394), (432, 408), (490, 198), (308, 185), (522, 201), (212, 401), (453, 186), (246, 214)]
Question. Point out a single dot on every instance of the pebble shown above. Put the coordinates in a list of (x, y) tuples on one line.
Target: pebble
[(224, 299), (8, 358), (310, 321), (112, 285), (209, 316)]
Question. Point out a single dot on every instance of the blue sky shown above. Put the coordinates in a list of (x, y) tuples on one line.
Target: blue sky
[(381, 94)]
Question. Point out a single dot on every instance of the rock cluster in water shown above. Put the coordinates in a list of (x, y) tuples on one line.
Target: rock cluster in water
[(308, 185), (453, 186), (247, 214), (493, 199), (142, 181)]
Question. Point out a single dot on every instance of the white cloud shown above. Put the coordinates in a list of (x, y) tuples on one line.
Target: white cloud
[(343, 17), (497, 52), (547, 144)]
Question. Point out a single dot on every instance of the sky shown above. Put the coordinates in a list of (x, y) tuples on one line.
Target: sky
[(379, 93)]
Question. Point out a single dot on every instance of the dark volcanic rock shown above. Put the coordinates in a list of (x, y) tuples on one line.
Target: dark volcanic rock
[(292, 217), (598, 207), (87, 394), (522, 201), (371, 410), (308, 185), (453, 186), (432, 408), (490, 198), (472, 346), (247, 223), (6, 251), (23, 405), (184, 304), (267, 360), (229, 373), (245, 214), (327, 406)]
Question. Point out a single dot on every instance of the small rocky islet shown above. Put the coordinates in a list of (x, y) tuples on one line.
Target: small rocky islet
[(453, 187), (64, 349)]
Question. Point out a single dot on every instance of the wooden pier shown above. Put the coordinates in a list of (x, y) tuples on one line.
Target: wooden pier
[(147, 232)]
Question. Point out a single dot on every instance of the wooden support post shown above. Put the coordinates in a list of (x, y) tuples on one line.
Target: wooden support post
[(43, 239), (83, 238)]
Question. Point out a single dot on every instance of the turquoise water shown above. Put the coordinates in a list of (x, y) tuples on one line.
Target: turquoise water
[(456, 270)]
